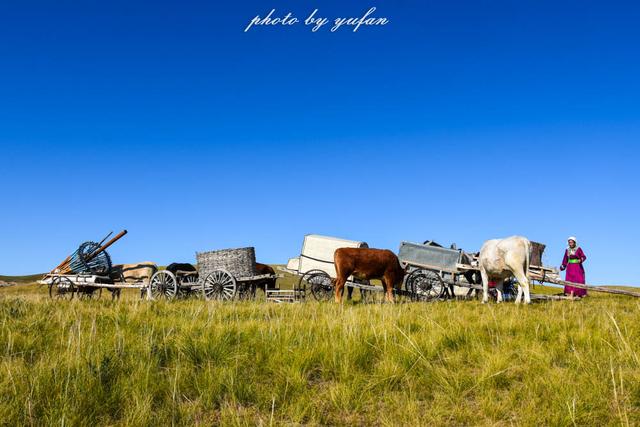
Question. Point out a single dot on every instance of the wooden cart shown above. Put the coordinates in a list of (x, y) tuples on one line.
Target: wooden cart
[(85, 286), (316, 270), (223, 275), (86, 272)]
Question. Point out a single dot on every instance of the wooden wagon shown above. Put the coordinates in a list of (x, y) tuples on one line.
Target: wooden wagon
[(86, 272), (221, 275), (436, 272), (86, 285), (316, 269)]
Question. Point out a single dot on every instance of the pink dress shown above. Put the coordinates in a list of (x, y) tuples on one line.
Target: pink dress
[(575, 271)]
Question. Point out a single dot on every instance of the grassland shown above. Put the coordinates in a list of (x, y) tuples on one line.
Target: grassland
[(136, 362), (21, 279)]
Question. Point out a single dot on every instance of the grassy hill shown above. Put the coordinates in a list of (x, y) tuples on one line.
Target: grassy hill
[(245, 363), (21, 279)]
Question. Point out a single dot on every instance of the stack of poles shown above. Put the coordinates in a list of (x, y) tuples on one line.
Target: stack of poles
[(65, 266)]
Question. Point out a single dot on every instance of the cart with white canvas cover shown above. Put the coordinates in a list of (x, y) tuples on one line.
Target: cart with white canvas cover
[(316, 269)]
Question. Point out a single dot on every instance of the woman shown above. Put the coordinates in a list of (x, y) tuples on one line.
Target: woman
[(573, 259)]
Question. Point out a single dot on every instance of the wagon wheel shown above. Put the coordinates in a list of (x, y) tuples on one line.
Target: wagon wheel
[(88, 292), (367, 296), (424, 285), (188, 284), (247, 291), (320, 284), (372, 297), (163, 284), (509, 291), (219, 285), (62, 288), (302, 284)]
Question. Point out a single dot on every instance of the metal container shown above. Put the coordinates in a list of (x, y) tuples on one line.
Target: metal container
[(433, 257)]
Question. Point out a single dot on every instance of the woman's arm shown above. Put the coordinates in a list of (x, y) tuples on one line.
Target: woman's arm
[(565, 260)]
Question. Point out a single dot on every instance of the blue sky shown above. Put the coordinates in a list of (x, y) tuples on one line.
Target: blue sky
[(457, 121)]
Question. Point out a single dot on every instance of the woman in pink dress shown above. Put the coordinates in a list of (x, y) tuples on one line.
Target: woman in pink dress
[(573, 259)]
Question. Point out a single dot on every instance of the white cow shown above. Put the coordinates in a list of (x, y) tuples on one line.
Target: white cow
[(502, 258)]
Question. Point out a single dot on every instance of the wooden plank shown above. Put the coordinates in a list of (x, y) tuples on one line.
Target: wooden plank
[(112, 286), (556, 280), (260, 277), (545, 297)]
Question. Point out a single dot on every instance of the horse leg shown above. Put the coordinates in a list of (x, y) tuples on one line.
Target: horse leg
[(349, 292)]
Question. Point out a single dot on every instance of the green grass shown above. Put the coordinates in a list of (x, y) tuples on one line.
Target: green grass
[(189, 362)]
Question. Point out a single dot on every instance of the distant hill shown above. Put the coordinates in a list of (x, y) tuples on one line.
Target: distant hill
[(21, 279)]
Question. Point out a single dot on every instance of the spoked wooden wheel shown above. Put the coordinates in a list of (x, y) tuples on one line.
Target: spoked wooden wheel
[(219, 285), (62, 288), (424, 285), (319, 283), (188, 284), (163, 285), (88, 292), (509, 291)]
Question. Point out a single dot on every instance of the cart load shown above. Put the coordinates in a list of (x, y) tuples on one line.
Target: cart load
[(85, 272), (89, 258), (240, 262)]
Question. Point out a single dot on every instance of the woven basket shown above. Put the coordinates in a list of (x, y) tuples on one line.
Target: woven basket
[(239, 262)]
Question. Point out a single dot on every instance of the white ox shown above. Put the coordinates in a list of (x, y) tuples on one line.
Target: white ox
[(502, 258)]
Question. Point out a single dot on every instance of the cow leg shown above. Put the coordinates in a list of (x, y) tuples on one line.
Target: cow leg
[(339, 288), (523, 283), (499, 290), (520, 292), (485, 286), (387, 284)]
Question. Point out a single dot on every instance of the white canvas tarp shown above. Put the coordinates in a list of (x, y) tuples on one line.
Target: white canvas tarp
[(317, 253)]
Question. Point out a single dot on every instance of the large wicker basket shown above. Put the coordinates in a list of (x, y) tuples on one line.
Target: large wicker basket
[(240, 262)]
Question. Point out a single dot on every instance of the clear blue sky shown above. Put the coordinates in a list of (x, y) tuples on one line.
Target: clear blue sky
[(458, 121)]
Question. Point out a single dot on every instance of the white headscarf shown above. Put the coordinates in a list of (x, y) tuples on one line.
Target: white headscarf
[(570, 250)]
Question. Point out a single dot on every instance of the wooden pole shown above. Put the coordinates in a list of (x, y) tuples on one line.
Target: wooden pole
[(106, 245), (556, 280)]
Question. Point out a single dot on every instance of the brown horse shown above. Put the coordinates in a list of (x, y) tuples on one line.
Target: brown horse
[(367, 264)]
